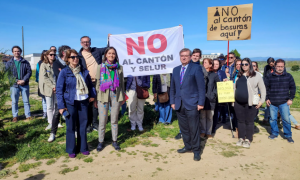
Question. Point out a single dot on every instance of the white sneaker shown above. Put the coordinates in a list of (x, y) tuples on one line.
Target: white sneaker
[(240, 142), (141, 128), (51, 138), (246, 143), (48, 127), (133, 127), (60, 126), (75, 134)]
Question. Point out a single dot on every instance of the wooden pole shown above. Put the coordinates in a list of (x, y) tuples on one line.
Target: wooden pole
[(23, 40), (228, 53)]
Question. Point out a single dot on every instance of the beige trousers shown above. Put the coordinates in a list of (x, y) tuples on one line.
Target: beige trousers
[(135, 108), (103, 116)]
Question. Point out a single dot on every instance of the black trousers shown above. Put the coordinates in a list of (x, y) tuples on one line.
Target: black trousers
[(189, 125), (245, 115), (55, 121), (93, 113)]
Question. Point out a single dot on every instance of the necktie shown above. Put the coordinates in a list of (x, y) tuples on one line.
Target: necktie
[(181, 75)]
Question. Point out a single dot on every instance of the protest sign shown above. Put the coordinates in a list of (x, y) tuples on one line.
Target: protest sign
[(225, 92), (229, 22), (149, 53)]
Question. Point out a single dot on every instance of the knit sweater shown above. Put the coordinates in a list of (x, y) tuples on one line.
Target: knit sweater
[(280, 88), (256, 83)]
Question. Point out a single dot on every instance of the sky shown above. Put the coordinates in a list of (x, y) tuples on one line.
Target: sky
[(275, 24)]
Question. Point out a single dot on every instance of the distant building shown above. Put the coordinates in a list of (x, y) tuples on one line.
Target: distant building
[(5, 57), (210, 56), (33, 59)]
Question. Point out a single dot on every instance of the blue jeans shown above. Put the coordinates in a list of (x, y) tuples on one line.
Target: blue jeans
[(293, 119), (44, 104), (267, 113), (284, 111), (15, 94), (123, 108), (79, 117), (165, 111)]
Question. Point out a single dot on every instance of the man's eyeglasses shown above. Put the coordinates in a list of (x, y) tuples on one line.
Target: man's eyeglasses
[(85, 42), (184, 55), (52, 54), (246, 64), (73, 57)]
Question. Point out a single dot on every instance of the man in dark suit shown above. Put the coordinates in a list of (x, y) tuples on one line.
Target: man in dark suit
[(187, 96)]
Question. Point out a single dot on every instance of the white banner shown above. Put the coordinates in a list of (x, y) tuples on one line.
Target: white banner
[(149, 53)]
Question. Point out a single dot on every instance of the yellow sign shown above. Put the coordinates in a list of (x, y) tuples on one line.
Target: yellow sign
[(229, 22), (225, 92)]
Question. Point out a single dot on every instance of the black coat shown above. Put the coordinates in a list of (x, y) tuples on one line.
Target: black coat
[(97, 54), (156, 84), (56, 66), (211, 91)]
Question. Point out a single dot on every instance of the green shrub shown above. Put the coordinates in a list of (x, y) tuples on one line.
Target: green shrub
[(295, 68)]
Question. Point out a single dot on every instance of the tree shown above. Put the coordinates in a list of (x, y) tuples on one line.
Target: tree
[(237, 54), (295, 68), (5, 84)]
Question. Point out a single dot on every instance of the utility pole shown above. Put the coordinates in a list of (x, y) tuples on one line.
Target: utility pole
[(23, 40)]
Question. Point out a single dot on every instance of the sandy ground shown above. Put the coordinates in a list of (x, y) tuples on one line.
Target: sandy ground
[(266, 159), (221, 159)]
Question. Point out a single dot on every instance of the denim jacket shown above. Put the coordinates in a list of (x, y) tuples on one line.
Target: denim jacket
[(66, 86)]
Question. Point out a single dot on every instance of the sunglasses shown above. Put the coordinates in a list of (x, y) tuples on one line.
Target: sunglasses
[(245, 64), (73, 57), (231, 57), (52, 54), (254, 65)]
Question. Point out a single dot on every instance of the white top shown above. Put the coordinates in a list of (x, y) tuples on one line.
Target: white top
[(164, 86), (80, 97)]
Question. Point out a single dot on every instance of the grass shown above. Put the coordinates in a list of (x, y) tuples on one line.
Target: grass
[(6, 173), (88, 160), (34, 145), (51, 161), (67, 170), (26, 167)]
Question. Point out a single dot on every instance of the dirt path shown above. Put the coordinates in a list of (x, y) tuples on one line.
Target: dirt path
[(221, 159)]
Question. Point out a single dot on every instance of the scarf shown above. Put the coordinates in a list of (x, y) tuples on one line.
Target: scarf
[(105, 79), (168, 79), (80, 83), (61, 61)]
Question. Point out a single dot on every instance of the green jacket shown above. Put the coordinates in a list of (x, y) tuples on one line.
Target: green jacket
[(104, 96), (46, 80)]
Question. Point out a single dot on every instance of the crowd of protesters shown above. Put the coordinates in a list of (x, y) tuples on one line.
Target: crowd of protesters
[(81, 87)]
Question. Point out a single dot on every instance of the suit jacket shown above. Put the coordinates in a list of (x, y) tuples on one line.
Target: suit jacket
[(192, 91)]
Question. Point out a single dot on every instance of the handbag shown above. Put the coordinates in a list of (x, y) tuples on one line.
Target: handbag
[(256, 97), (142, 93), (163, 97)]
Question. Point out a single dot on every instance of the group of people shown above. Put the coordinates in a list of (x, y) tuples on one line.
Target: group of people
[(82, 86)]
